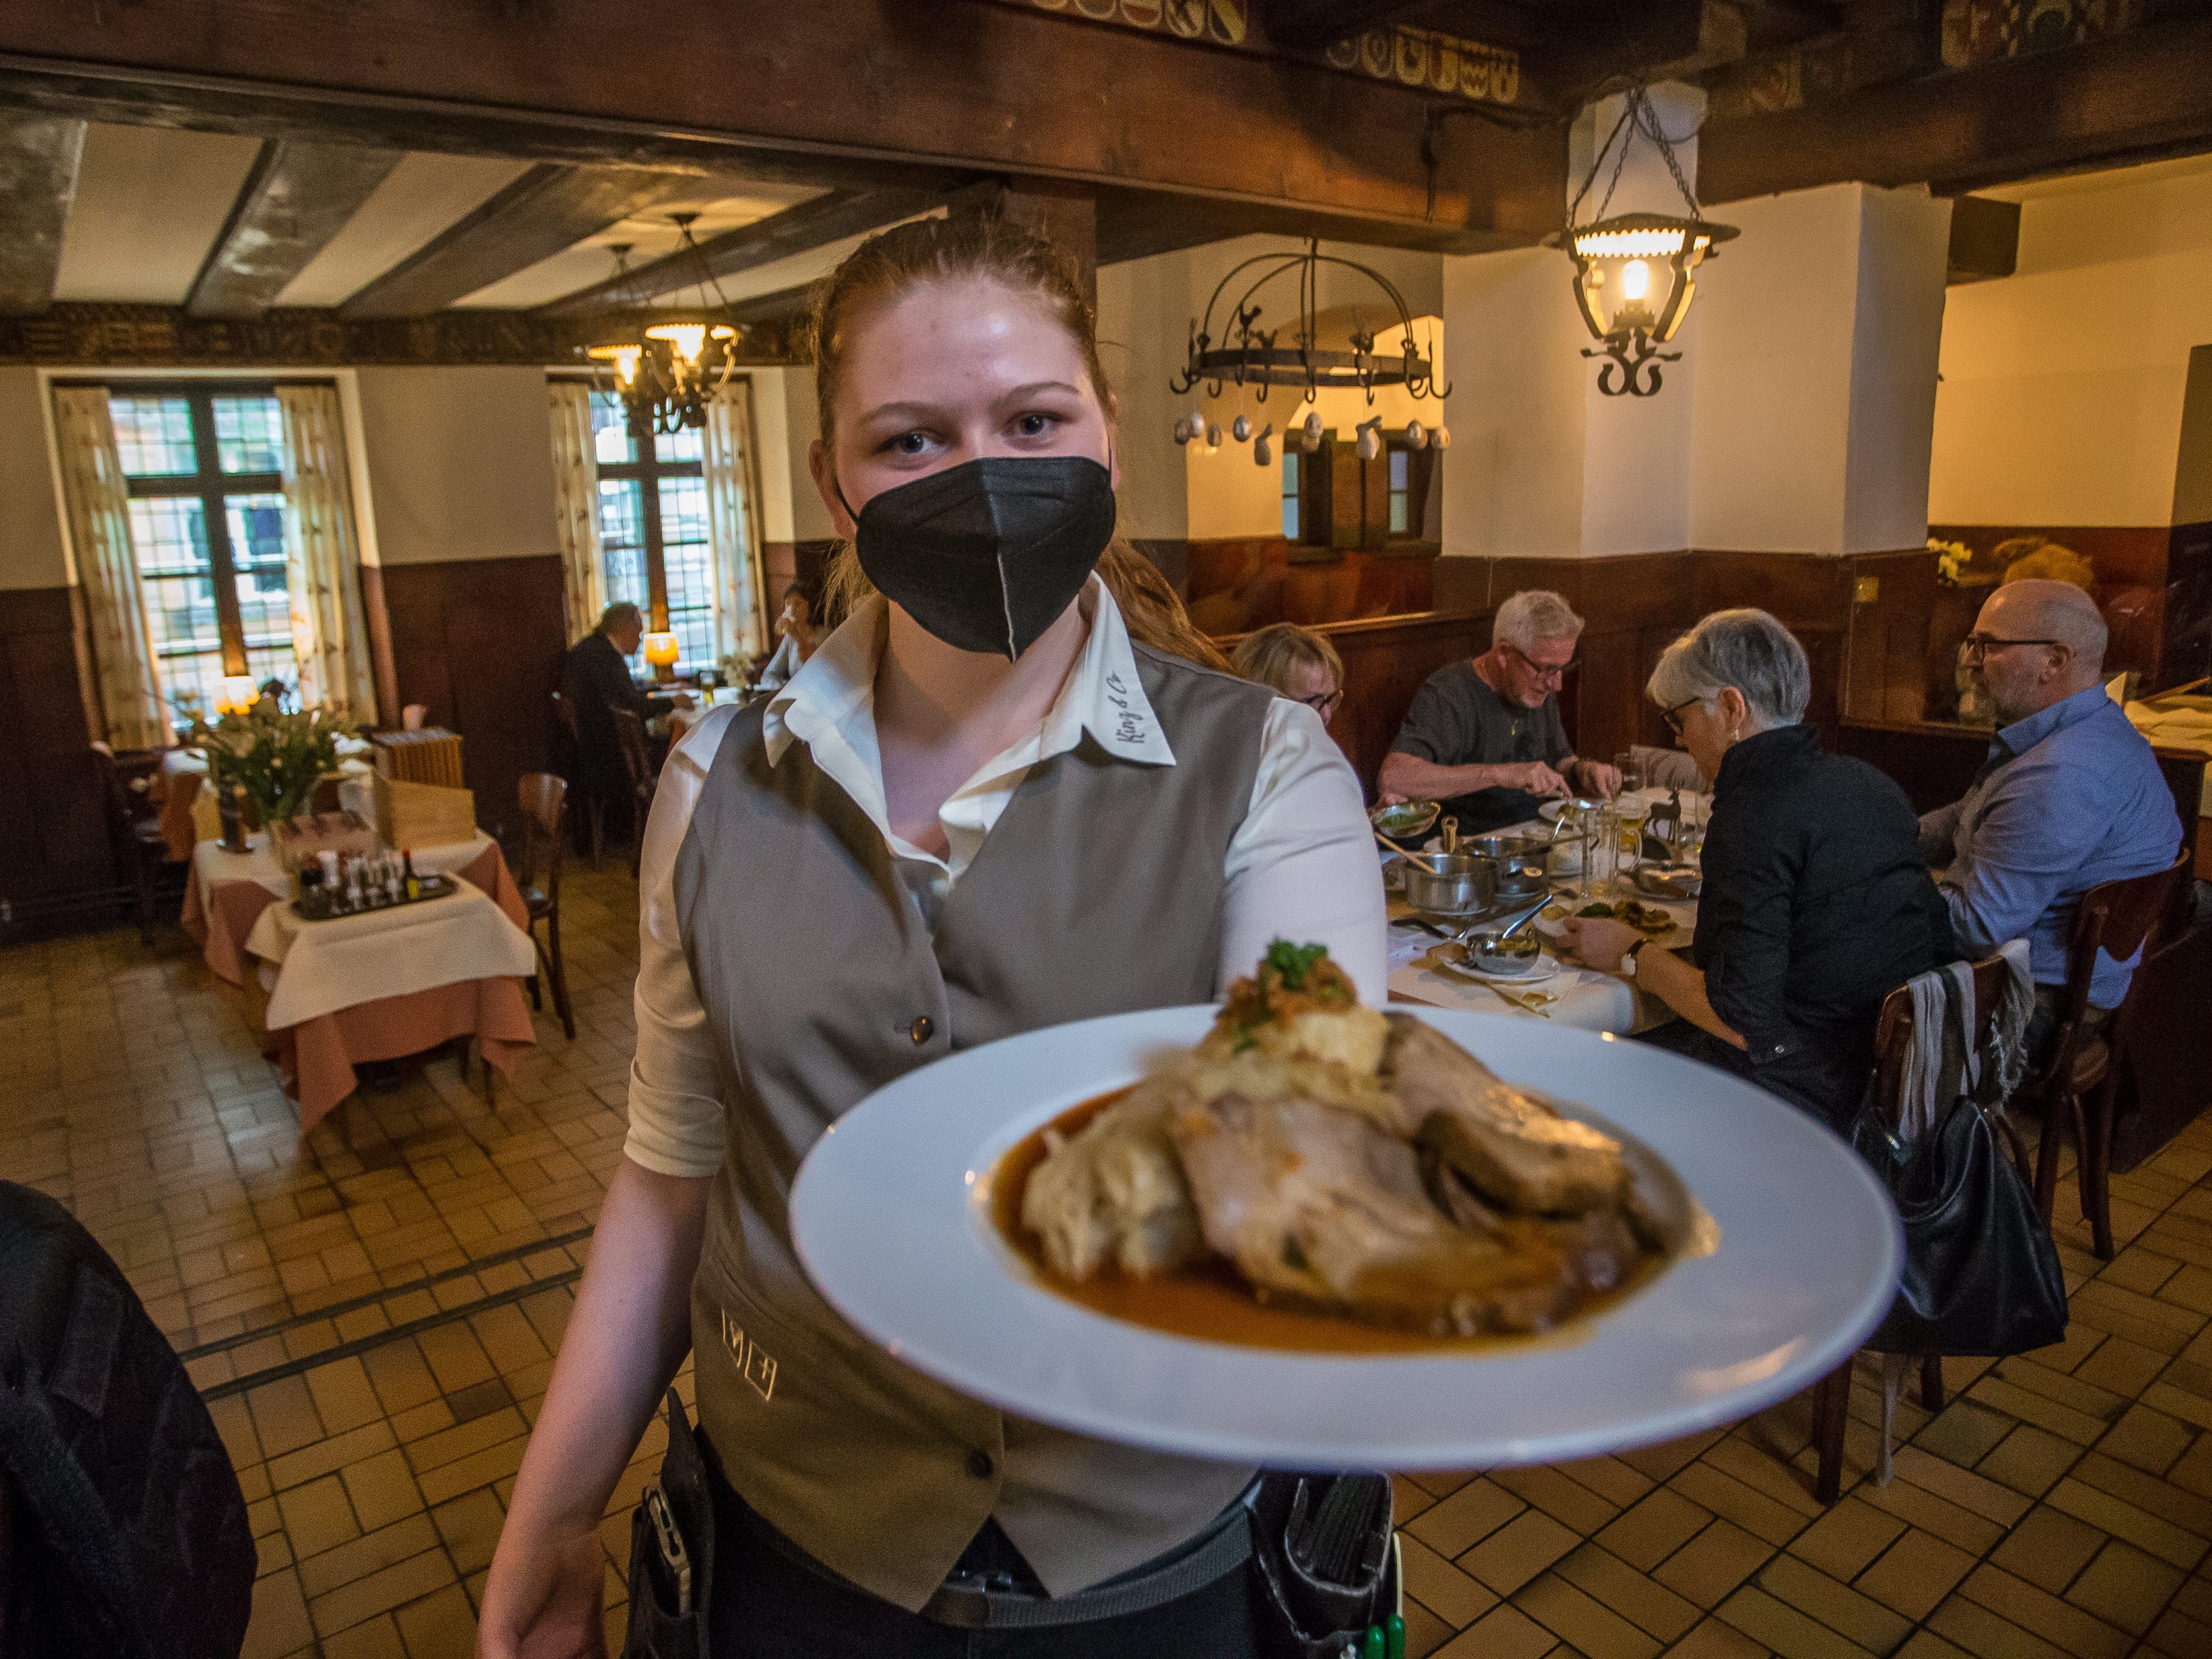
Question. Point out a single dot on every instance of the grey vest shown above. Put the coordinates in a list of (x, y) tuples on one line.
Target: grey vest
[(1098, 890)]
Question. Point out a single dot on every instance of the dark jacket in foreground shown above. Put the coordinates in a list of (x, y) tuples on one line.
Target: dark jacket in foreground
[(596, 682), (1816, 906)]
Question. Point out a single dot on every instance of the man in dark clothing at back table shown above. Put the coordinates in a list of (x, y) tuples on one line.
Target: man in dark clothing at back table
[(595, 682), (1483, 737)]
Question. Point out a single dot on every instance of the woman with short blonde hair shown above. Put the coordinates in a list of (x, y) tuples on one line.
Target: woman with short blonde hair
[(1296, 662)]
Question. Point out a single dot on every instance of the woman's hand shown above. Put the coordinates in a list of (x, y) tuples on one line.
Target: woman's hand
[(543, 1599), (1599, 943)]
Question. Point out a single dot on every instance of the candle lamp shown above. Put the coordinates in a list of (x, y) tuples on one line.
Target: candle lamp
[(661, 651)]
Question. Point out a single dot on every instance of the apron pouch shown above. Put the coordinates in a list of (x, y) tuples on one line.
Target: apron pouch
[(1322, 1545), (655, 1629)]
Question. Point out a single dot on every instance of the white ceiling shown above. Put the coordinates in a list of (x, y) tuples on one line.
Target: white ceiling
[(151, 201), (2079, 184)]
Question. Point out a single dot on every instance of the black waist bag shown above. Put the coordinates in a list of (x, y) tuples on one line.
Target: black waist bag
[(131, 1535), (1325, 1571), (1981, 1274), (672, 1552)]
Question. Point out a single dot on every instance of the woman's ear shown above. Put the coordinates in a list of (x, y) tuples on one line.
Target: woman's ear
[(825, 485), (1735, 711)]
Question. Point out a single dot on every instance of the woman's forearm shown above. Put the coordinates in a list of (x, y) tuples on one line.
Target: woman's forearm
[(625, 1341), (1681, 988)]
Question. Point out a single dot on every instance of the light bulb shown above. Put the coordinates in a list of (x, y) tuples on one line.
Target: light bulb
[(1635, 280), (688, 339), (626, 365)]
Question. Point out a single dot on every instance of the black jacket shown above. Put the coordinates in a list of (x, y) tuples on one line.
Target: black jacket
[(596, 681), (1816, 906)]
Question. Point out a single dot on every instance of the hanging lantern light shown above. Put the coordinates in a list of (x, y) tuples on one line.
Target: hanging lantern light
[(1634, 272)]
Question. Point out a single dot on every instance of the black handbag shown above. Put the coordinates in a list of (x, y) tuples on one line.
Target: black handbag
[(1981, 1275)]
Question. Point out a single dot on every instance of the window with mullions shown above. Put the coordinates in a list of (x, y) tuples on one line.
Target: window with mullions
[(203, 467), (653, 542)]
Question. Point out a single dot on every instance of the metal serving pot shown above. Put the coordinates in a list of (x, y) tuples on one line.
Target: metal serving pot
[(1517, 863), (1450, 884)]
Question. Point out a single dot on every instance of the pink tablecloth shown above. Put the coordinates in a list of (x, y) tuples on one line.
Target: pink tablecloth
[(317, 1056)]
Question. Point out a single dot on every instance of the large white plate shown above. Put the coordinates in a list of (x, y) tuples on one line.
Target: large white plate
[(891, 1217)]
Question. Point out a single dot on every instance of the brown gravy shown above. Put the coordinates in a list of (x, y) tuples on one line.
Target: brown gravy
[(1214, 1304)]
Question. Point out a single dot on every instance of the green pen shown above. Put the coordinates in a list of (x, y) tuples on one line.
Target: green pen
[(1394, 1639), (1371, 1646)]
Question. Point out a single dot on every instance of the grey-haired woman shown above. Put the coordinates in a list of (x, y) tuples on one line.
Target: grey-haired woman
[(1816, 903)]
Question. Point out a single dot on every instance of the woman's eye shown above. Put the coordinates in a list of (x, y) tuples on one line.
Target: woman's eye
[(908, 443), (1034, 425)]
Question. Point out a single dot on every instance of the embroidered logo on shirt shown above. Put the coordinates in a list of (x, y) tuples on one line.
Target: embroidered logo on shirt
[(754, 1363), (1129, 723)]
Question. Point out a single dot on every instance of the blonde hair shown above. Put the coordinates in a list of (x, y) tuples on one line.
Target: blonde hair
[(973, 245), (1269, 655), (2037, 558)]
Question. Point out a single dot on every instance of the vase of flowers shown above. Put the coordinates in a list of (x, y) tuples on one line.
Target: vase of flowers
[(267, 761)]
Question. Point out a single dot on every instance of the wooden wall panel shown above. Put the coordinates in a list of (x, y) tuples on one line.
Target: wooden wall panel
[(1235, 584), (479, 642), (57, 872)]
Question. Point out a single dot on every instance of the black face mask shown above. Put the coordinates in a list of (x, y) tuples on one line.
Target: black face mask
[(987, 554)]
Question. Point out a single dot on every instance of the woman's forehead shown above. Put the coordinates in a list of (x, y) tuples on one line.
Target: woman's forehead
[(960, 338)]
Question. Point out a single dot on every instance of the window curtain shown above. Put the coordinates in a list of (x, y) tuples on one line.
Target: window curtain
[(740, 629), (576, 504), (329, 630), (132, 713)]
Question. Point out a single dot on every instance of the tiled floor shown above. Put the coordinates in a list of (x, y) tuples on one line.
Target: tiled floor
[(372, 1310)]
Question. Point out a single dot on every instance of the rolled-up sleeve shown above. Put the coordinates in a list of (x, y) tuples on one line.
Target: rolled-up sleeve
[(676, 1123), (1302, 866)]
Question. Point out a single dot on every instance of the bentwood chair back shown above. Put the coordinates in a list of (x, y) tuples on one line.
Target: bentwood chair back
[(134, 826), (2118, 918), (544, 798), (594, 819), (637, 766), (1892, 1047)]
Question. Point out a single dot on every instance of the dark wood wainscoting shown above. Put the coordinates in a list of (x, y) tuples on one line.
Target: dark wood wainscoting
[(57, 873), (1235, 584), (478, 642)]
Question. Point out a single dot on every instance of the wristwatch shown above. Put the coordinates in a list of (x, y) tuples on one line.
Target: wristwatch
[(1628, 958)]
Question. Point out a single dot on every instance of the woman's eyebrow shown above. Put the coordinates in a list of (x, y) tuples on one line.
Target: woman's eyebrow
[(902, 411), (1036, 386)]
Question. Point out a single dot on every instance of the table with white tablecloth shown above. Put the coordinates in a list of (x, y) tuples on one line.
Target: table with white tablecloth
[(188, 813), (371, 987)]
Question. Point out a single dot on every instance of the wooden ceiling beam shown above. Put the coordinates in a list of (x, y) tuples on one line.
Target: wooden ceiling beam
[(796, 229), (546, 211), (298, 196), (1323, 22), (1652, 40), (2133, 96), (982, 89), (38, 158)]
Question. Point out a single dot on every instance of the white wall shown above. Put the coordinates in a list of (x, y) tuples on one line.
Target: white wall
[(31, 547), (2063, 384), (787, 421), (460, 463), (1144, 310)]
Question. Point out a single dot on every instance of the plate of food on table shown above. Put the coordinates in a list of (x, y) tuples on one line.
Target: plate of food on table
[(1294, 1229)]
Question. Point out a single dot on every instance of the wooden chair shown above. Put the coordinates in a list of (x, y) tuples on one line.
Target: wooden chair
[(595, 810), (637, 763), (134, 825), (1831, 1396), (2119, 918), (544, 799)]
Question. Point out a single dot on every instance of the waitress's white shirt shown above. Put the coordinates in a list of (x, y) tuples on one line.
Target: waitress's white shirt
[(1301, 866)]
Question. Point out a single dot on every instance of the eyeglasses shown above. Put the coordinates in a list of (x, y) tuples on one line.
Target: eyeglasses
[(1980, 645), (1549, 673), (1674, 716), (1323, 703)]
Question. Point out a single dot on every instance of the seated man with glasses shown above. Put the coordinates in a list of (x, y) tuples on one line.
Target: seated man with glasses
[(2071, 797), (1484, 736)]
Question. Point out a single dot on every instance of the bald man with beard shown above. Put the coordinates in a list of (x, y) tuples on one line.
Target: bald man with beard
[(2070, 798)]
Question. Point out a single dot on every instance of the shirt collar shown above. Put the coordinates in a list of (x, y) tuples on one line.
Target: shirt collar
[(2023, 735), (1103, 695)]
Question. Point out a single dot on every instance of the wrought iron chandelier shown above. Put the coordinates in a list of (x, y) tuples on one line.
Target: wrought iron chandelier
[(667, 370), (1633, 277), (1244, 354)]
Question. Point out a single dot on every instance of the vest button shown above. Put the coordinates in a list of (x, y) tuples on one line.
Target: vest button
[(982, 1465), (919, 1031)]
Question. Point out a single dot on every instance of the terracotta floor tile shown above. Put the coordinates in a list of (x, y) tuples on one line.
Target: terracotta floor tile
[(1961, 1529), (284, 1416), (441, 1625), (1716, 1639), (1586, 1625), (1915, 1574), (1654, 1528), (2149, 1440), (379, 1592), (1927, 1644), (1725, 1495), (1782, 1628), (2049, 1548), (318, 1516), (1503, 1632), (1986, 1635), (2147, 1492), (379, 1639), (2179, 1636), (1424, 1631), (1842, 1543), (2124, 1367), (1471, 1513), (1643, 1601), (382, 1489), (279, 1624), (2031, 1459), (1963, 1432), (469, 1525), (1566, 1501), (2126, 1588), (343, 1398), (1704, 1570), (1433, 1582), (2078, 1633), (1518, 1550), (1858, 1618)]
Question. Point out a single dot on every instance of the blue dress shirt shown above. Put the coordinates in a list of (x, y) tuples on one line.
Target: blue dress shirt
[(2071, 798)]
